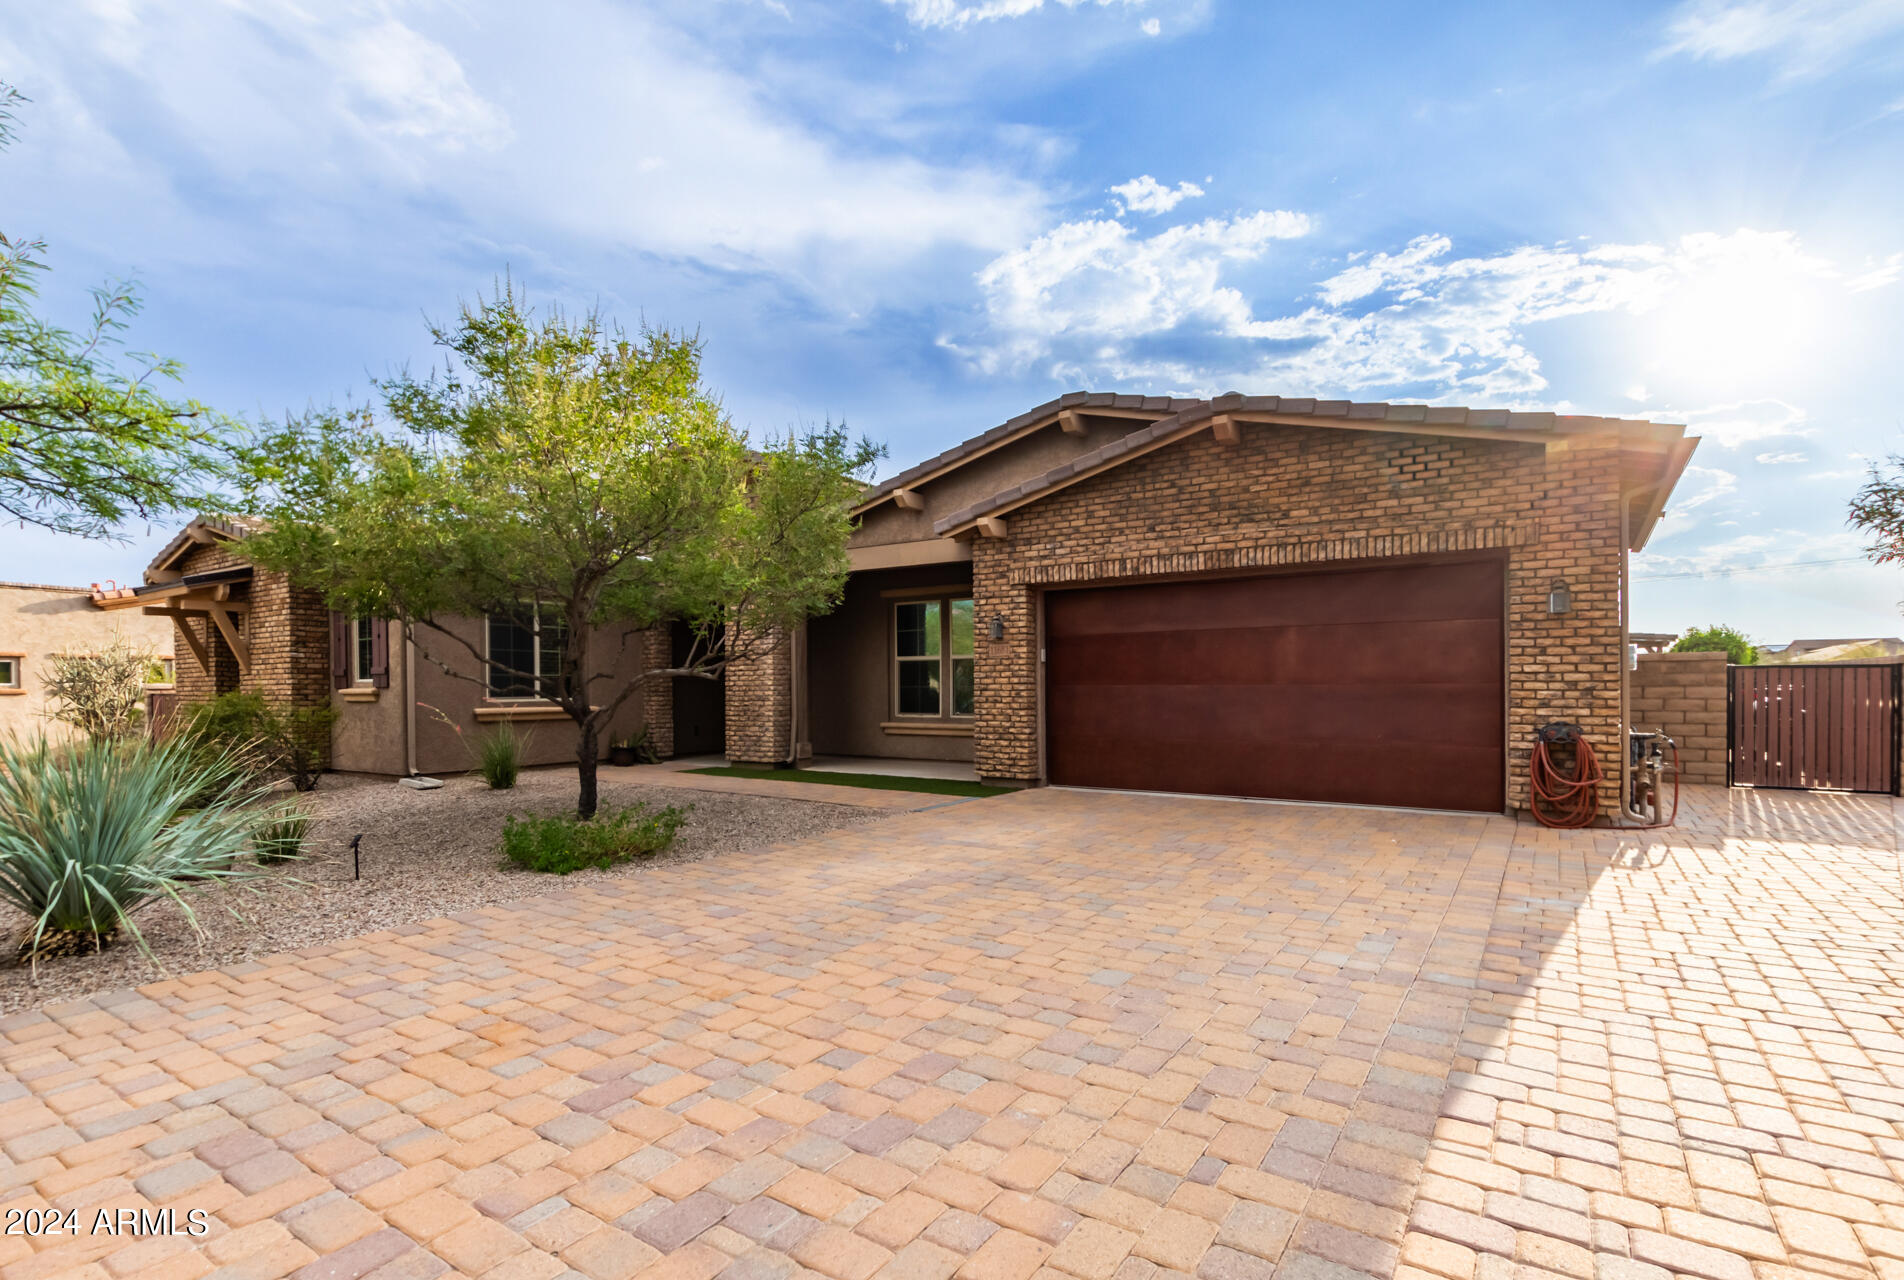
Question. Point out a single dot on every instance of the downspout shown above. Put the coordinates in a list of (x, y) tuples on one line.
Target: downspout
[(1624, 745), (796, 661), (409, 700)]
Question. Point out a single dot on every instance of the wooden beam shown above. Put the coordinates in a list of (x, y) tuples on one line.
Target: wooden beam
[(908, 499), (192, 641), (990, 527), (1223, 427), (200, 534), (1070, 423), (227, 627)]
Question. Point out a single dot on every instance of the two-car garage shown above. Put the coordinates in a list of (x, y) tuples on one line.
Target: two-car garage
[(1379, 684)]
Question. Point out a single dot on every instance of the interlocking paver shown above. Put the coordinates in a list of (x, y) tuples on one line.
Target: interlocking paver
[(1052, 1035)]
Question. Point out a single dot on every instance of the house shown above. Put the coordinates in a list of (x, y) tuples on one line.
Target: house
[(1866, 649), (38, 621), (407, 702), (1249, 596), (1253, 596)]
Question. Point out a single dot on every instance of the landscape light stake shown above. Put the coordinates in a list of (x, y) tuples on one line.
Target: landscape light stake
[(356, 857)]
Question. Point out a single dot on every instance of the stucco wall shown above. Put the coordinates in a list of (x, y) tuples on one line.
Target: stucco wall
[(37, 622), (849, 670)]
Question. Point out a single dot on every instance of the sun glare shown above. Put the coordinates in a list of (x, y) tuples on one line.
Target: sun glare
[(1739, 310)]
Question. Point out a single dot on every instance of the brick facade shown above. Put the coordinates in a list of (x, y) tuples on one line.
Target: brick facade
[(760, 703), (287, 631), (657, 692), (1288, 496), (1684, 694)]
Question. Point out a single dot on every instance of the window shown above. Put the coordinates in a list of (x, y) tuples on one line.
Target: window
[(527, 649), (933, 657), (10, 671), (161, 670), (361, 651)]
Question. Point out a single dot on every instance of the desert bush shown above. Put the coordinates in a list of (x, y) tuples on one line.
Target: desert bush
[(266, 737), (499, 759), (102, 694), (563, 844), (282, 839), (94, 832)]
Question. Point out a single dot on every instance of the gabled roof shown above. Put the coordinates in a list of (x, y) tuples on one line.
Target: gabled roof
[(200, 531), (1187, 418), (1096, 403)]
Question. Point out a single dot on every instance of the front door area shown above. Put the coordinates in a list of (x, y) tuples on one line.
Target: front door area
[(1380, 684)]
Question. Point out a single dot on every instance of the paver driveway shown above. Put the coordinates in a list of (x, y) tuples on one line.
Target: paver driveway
[(1100, 1035)]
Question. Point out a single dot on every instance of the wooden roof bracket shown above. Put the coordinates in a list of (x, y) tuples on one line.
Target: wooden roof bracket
[(1070, 423), (1223, 428)]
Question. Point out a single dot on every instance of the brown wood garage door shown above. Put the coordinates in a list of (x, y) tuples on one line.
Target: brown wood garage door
[(1379, 685)]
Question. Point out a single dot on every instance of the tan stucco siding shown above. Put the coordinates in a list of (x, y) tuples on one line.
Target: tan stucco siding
[(37, 622)]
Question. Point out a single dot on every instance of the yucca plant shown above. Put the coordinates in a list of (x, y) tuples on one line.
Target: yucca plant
[(499, 759), (94, 832), (282, 839)]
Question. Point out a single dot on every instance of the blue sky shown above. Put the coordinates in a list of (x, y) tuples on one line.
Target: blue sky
[(924, 216)]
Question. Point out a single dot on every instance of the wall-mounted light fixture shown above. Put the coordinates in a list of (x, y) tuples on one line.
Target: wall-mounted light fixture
[(1560, 597), (996, 629)]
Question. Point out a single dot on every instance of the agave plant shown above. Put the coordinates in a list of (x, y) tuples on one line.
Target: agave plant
[(94, 832)]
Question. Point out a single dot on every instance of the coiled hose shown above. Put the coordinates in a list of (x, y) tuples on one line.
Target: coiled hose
[(1570, 797)]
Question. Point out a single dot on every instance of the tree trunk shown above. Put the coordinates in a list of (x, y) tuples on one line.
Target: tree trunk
[(585, 751)]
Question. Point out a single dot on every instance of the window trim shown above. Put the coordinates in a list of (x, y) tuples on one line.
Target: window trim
[(491, 674), (361, 647), (945, 714), (18, 683)]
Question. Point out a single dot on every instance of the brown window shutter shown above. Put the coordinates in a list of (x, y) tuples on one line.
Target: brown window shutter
[(380, 652), (340, 650)]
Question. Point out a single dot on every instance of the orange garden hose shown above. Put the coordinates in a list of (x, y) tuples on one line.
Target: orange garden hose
[(1570, 797)]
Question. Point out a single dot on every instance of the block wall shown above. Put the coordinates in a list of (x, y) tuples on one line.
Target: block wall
[(1684, 694)]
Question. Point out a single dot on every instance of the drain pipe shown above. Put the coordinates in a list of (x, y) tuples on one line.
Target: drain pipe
[(409, 699)]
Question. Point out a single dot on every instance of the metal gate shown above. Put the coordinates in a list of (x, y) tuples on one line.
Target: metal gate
[(1830, 727)]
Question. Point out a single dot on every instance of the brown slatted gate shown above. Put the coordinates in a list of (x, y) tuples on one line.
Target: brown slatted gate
[(1830, 727)]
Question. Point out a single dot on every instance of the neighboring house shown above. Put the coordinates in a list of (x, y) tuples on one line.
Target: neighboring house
[(1867, 649), (1248, 596), (400, 708), (39, 621), (1253, 596)]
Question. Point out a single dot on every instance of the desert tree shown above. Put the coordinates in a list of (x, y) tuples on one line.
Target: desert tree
[(566, 472)]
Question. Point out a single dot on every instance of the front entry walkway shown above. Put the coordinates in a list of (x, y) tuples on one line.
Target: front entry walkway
[(1083, 1035)]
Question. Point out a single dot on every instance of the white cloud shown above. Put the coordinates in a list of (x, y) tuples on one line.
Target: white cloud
[(1779, 459), (1101, 283), (1147, 195), (1807, 37), (955, 13), (1752, 552), (1877, 275), (1416, 321), (1151, 27), (1740, 422)]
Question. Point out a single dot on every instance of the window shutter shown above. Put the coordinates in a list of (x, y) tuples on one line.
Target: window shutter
[(340, 650), (380, 652)]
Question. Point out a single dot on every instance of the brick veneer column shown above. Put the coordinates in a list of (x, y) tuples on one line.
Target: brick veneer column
[(760, 705), (1005, 729), (657, 692)]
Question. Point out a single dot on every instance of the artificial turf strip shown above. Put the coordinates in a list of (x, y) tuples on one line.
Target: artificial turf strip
[(876, 781)]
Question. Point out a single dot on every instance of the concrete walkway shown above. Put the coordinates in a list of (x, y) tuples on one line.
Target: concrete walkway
[(1047, 1034)]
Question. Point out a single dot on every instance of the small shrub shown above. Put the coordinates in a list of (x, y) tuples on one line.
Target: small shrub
[(92, 833), (563, 844), (101, 694), (499, 759), (282, 839), (265, 737), (642, 744)]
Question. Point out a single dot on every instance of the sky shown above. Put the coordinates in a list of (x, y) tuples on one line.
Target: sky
[(924, 216)]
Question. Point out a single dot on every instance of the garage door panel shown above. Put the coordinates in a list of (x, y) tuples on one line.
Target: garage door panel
[(1452, 778), (1458, 651), (1254, 716), (1380, 685), (1379, 596)]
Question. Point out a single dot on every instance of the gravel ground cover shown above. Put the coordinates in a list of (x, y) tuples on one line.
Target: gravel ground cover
[(425, 854)]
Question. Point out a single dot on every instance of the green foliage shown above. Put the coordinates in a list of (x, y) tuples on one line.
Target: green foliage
[(560, 845), (500, 757), (642, 744), (102, 694), (565, 466), (265, 737), (86, 437), (1738, 650), (282, 838), (94, 832), (1879, 511)]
